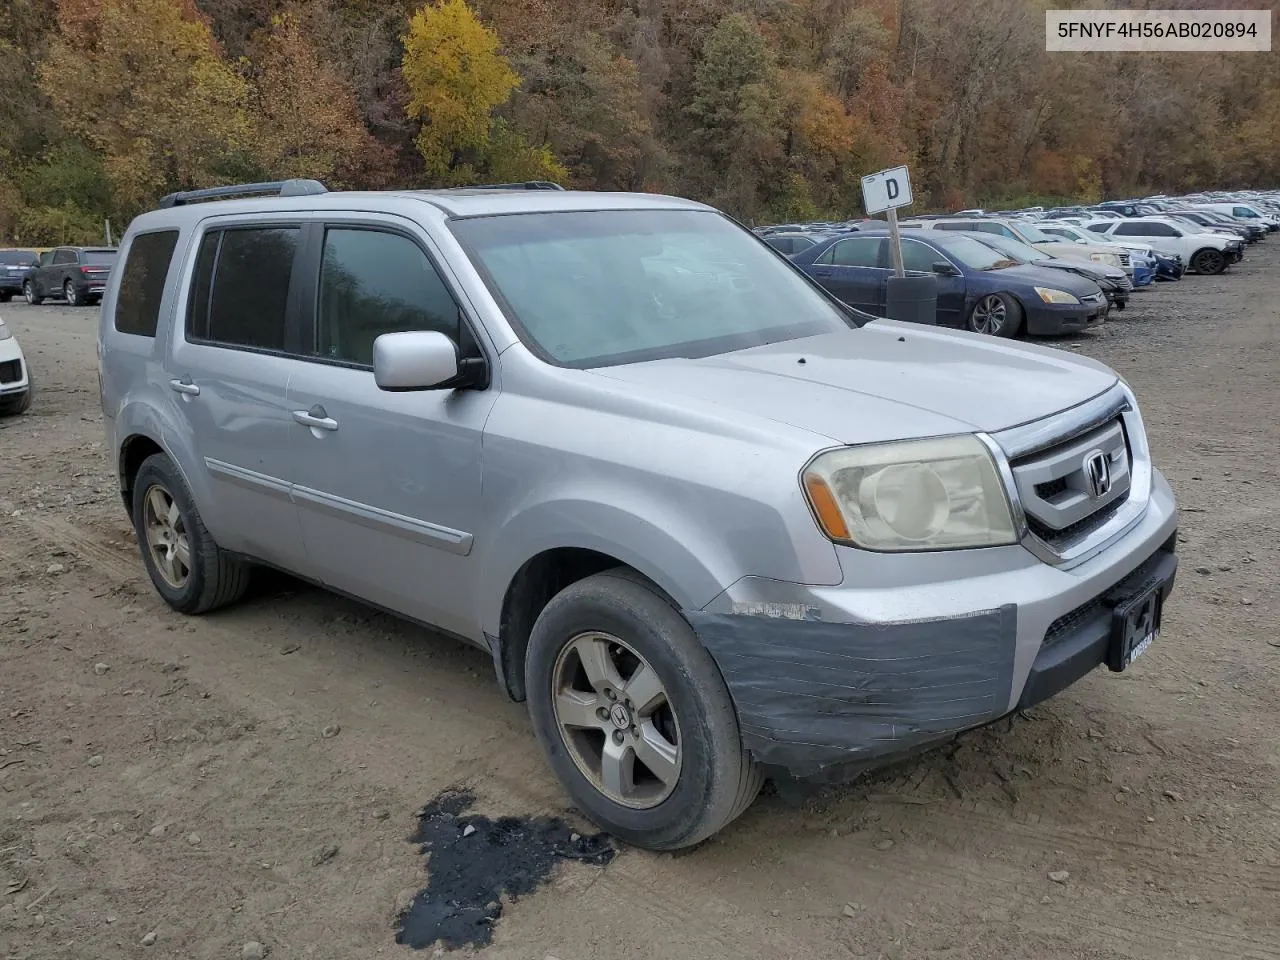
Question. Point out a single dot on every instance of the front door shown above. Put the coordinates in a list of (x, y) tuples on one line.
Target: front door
[(388, 484), (918, 258), (226, 374)]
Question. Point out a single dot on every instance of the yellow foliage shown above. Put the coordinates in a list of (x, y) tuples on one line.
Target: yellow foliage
[(456, 77)]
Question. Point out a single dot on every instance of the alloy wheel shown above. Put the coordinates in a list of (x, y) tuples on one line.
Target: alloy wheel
[(989, 315), (616, 720), (1210, 261), (29, 291), (69, 292), (167, 539)]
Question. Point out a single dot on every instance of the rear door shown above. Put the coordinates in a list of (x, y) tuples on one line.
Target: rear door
[(918, 259), (227, 372), (53, 276), (388, 483), (853, 271)]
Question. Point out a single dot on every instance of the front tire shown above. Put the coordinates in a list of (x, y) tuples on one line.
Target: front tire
[(1209, 261), (29, 292), (188, 569), (997, 315), (634, 716)]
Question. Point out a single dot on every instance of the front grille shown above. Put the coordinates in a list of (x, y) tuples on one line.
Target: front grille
[(1074, 486), (1124, 259), (10, 371)]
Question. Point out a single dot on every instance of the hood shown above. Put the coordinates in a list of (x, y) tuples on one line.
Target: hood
[(1076, 251), (1039, 276), (1083, 268), (885, 381)]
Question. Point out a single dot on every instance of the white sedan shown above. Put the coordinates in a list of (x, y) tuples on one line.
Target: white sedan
[(15, 378)]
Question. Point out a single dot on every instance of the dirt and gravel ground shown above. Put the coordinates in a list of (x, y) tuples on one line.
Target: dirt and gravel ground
[(176, 787)]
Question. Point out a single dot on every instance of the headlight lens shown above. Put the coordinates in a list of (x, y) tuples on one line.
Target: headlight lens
[(5, 332), (1110, 259), (936, 494), (1050, 295)]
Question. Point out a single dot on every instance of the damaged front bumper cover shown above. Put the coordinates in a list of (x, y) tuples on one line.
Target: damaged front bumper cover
[(824, 701)]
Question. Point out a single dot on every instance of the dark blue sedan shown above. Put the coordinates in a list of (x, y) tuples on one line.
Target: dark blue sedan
[(978, 289)]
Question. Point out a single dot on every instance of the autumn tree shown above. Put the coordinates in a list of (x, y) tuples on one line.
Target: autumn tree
[(142, 83), (306, 119), (456, 78)]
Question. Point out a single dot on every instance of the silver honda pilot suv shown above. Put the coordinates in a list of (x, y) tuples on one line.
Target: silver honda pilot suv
[(709, 522)]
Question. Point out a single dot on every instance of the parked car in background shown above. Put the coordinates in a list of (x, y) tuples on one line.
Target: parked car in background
[(1141, 256), (15, 377), (1169, 267), (979, 288), (728, 527), (789, 243), (1202, 252), (76, 274), (1252, 232), (1029, 233), (1245, 211), (14, 267), (1113, 281)]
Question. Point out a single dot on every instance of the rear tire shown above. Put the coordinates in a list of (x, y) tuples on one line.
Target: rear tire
[(629, 627), (72, 295), (188, 569), (29, 291)]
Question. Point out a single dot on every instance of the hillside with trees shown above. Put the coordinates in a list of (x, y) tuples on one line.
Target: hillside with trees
[(772, 109)]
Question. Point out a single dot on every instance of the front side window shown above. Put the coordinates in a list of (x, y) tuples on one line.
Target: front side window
[(142, 284), (371, 283), (241, 287), (919, 257), (595, 288)]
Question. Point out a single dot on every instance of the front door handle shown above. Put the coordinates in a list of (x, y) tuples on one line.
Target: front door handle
[(315, 417), (185, 387)]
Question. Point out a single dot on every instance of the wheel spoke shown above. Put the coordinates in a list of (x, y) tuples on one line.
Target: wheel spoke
[(617, 768), (658, 754), (644, 690), (577, 709), (155, 535), (182, 550), (597, 663), (167, 565), (173, 516), (159, 507)]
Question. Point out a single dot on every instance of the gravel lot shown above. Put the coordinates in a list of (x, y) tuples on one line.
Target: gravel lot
[(175, 787)]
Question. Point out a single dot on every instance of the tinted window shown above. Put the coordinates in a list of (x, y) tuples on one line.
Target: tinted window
[(916, 256), (595, 288), (18, 258), (954, 225), (1134, 229), (142, 285), (98, 258), (64, 256), (46, 258), (241, 287), (373, 283), (858, 252)]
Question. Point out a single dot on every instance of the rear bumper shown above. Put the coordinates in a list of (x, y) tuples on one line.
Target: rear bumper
[(823, 693), (10, 284)]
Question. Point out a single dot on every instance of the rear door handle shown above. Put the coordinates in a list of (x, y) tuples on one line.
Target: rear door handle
[(185, 386), (315, 417)]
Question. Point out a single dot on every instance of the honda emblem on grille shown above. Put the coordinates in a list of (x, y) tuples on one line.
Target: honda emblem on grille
[(1097, 473)]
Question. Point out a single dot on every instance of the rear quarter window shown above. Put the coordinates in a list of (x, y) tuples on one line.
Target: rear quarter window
[(142, 283)]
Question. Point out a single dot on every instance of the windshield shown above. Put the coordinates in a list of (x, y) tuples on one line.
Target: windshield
[(1032, 234), (1015, 249), (18, 258), (595, 288), (975, 254), (99, 258)]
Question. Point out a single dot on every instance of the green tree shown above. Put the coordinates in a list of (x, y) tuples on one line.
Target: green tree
[(143, 85)]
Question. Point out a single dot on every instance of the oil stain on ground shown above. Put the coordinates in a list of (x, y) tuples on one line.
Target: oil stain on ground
[(470, 870)]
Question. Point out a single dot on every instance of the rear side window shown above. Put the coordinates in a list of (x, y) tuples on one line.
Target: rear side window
[(856, 252), (142, 283), (241, 287), (373, 283)]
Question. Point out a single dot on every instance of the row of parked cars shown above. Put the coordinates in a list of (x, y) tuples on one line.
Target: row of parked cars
[(1033, 271), (77, 275)]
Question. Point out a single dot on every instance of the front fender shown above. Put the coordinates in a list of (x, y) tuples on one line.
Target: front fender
[(660, 541)]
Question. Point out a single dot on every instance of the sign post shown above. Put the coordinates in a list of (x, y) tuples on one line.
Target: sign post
[(913, 298)]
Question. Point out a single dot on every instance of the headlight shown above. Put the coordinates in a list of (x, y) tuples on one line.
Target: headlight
[(936, 494), (1050, 295), (5, 332), (1110, 259)]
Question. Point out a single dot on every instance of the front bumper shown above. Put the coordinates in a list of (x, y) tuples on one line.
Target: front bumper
[(830, 681), (1054, 319)]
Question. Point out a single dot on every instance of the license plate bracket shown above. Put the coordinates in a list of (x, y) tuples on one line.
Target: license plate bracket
[(1135, 624)]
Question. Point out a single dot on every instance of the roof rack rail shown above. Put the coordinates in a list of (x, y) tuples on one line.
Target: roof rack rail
[(525, 185), (274, 188)]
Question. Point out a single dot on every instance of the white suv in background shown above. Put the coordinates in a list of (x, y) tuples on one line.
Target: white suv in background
[(1201, 252)]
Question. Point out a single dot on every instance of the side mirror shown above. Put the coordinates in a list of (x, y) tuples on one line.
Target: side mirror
[(945, 269), (415, 360)]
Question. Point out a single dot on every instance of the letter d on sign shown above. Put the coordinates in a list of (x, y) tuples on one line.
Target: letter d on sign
[(891, 185)]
